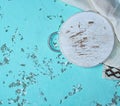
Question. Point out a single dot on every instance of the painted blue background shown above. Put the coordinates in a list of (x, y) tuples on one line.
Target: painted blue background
[(31, 22)]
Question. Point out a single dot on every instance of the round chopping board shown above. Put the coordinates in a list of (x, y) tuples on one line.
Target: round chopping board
[(86, 39)]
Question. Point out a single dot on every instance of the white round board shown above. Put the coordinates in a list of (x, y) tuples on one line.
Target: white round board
[(86, 39)]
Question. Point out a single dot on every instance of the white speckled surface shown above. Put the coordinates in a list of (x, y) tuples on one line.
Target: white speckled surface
[(86, 39)]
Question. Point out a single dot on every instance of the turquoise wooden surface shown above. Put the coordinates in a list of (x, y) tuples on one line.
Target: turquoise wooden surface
[(33, 75)]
